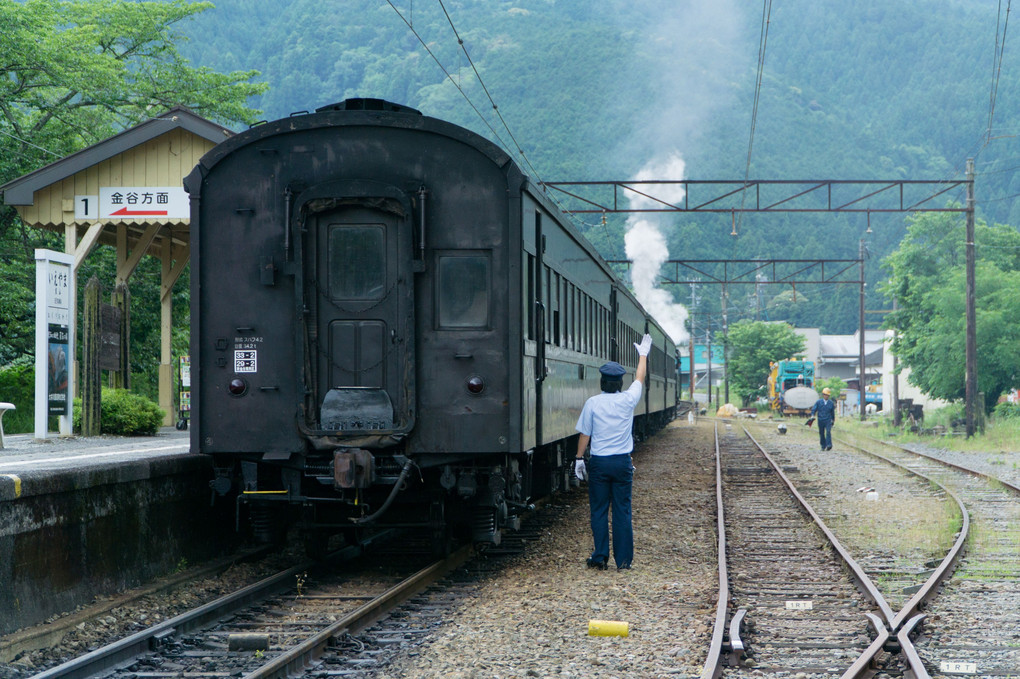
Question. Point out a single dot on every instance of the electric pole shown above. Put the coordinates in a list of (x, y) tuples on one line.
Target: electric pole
[(861, 371), (971, 350)]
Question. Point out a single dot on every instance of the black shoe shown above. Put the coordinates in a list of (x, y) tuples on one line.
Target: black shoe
[(598, 565), (624, 567), (828, 447)]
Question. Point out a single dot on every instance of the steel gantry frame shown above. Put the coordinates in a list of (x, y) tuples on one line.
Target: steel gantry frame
[(795, 195), (780, 195), (800, 272)]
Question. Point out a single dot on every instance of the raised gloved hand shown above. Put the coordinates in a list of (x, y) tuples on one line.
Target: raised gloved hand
[(580, 471), (645, 346)]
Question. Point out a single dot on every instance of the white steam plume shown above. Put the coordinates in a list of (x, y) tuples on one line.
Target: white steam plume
[(646, 247)]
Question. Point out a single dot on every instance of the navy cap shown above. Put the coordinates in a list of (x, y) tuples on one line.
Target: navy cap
[(613, 370)]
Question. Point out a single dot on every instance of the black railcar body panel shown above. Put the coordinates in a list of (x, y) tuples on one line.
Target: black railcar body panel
[(374, 290)]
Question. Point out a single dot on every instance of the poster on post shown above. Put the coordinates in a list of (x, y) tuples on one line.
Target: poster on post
[(54, 343), (57, 369)]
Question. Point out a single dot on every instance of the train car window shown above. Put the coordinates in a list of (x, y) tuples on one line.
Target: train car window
[(589, 321), (557, 312), (529, 300), (548, 303), (464, 285), (357, 261), (572, 311)]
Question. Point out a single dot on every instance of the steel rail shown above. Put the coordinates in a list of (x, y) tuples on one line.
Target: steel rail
[(42, 637), (860, 669), (861, 578), (713, 664), (903, 623), (952, 558), (947, 463), (899, 624), (125, 650), (296, 658)]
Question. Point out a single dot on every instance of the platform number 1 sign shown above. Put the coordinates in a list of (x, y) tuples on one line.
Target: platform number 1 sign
[(86, 207)]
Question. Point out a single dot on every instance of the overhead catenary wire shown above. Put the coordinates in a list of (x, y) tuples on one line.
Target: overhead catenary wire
[(1000, 48), (763, 38), (449, 76), (495, 107), (985, 137), (496, 135), (25, 141)]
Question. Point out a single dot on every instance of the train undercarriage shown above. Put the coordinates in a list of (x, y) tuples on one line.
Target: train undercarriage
[(356, 492)]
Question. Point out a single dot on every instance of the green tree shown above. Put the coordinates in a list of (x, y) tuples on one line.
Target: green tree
[(752, 346), (927, 282), (73, 73), (834, 384)]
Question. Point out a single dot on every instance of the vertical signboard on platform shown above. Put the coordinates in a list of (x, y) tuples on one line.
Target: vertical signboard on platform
[(54, 339)]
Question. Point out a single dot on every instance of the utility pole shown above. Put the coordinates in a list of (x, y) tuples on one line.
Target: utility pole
[(725, 349), (692, 377), (897, 416), (708, 344), (861, 371), (971, 350), (757, 296)]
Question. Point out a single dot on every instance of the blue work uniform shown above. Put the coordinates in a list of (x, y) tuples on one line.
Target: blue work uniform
[(825, 411), (609, 419)]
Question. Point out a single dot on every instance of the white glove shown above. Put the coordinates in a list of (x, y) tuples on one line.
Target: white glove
[(645, 346), (580, 471)]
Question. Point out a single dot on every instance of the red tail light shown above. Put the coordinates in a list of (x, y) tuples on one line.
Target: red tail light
[(475, 384), (237, 387)]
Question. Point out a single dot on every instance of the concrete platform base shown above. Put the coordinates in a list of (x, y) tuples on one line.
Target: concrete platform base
[(70, 535)]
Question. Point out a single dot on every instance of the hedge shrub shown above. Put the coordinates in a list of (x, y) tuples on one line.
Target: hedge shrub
[(1007, 411), (17, 386), (124, 414)]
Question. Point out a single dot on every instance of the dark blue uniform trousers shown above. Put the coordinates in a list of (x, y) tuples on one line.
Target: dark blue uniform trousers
[(610, 478), (825, 434)]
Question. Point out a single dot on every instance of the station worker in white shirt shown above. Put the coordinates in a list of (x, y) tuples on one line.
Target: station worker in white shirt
[(606, 422)]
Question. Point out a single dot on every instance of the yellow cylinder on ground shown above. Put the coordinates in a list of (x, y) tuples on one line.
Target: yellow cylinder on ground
[(607, 628)]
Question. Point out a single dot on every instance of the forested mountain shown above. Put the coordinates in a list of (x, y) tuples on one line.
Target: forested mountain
[(874, 89)]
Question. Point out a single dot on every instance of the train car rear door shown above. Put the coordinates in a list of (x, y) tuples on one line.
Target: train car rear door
[(363, 344)]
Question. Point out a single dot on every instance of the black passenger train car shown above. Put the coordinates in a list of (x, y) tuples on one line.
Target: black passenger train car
[(392, 326)]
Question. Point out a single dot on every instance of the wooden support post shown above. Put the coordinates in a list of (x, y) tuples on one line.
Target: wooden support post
[(971, 347), (91, 374), (121, 298), (166, 373)]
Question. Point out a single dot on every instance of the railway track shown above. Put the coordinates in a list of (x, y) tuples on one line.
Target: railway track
[(329, 617), (787, 604), (269, 629), (973, 627), (892, 650)]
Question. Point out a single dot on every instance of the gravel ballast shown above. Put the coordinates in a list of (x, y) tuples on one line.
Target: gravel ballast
[(531, 620)]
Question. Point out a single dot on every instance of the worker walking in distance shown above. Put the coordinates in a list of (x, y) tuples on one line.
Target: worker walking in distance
[(606, 422), (825, 410)]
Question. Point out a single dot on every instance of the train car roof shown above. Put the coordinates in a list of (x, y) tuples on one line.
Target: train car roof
[(382, 113)]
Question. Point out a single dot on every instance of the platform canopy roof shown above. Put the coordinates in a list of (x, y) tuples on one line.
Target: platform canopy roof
[(126, 191), (159, 152)]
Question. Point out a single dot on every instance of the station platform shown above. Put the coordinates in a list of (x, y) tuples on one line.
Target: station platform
[(87, 517), (23, 452)]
